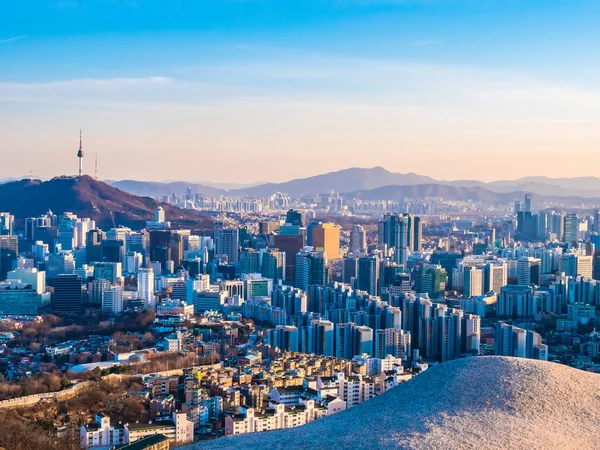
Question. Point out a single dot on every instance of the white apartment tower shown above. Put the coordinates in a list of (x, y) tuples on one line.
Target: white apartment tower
[(145, 289), (112, 300)]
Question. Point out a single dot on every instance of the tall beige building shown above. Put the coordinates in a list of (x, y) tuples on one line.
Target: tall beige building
[(326, 238)]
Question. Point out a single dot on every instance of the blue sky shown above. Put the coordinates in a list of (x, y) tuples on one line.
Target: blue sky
[(247, 90)]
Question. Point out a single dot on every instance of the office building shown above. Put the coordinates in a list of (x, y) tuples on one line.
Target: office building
[(529, 270), (311, 268), (290, 245), (358, 240), (431, 280), (295, 218), (571, 228), (211, 300), (556, 226), (415, 230), (96, 291), (36, 278), (93, 245), (349, 270), (21, 298), (527, 226), (257, 286), (402, 240), (368, 274), (111, 271), (274, 265), (249, 261), (527, 204), (7, 221), (326, 238), (448, 261), (9, 250), (67, 297), (112, 250)]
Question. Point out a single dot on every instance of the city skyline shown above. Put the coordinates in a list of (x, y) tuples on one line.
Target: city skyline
[(413, 86), (299, 224)]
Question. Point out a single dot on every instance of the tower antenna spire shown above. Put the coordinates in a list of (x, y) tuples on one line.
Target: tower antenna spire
[(96, 167), (80, 153)]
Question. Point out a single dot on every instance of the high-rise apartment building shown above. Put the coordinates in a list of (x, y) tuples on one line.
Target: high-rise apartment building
[(321, 338), (574, 265), (112, 300), (517, 342), (145, 287), (472, 281), (495, 276), (392, 341), (516, 301)]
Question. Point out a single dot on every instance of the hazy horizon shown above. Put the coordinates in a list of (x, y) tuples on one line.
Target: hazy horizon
[(256, 183), (236, 92)]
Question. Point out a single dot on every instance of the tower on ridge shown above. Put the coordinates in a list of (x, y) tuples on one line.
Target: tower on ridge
[(80, 155)]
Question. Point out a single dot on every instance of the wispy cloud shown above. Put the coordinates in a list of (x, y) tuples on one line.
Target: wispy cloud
[(90, 83), (426, 43), (85, 90), (15, 38)]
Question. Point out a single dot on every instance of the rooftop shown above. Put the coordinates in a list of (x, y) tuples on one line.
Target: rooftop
[(146, 442)]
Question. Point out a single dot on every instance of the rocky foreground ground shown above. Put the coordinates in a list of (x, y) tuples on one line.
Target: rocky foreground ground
[(482, 403)]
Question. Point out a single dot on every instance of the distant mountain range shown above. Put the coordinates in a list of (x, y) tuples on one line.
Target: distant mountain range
[(387, 185), (159, 190), (346, 180), (87, 197)]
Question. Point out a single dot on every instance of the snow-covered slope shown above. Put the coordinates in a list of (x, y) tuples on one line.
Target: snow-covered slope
[(478, 403)]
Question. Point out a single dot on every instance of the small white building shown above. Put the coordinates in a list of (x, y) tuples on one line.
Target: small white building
[(101, 434), (179, 431)]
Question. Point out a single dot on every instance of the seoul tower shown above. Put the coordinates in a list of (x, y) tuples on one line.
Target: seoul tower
[(80, 155)]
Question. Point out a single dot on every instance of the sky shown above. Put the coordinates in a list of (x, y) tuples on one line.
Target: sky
[(243, 91)]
